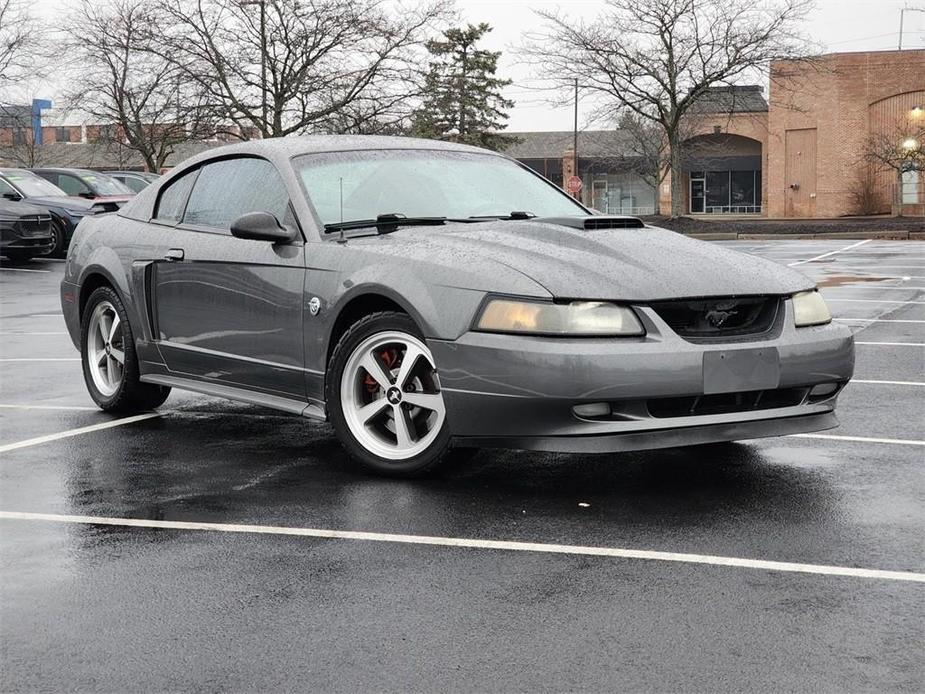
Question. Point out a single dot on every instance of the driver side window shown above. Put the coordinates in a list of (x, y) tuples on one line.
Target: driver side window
[(72, 185), (227, 189)]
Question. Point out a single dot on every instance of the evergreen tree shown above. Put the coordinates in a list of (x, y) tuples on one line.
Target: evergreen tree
[(462, 96)]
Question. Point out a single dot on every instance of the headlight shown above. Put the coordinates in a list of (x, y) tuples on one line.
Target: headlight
[(587, 318), (809, 309)]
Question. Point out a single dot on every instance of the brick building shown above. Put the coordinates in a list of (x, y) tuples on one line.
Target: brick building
[(821, 118), (803, 153)]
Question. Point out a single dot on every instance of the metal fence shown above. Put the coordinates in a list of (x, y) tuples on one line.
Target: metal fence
[(632, 211)]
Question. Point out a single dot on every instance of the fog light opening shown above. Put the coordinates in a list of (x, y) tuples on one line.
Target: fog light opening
[(823, 391), (592, 409)]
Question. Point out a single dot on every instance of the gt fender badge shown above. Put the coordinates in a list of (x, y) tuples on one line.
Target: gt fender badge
[(314, 306)]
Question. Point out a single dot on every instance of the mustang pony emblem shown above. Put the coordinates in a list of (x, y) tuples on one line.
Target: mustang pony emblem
[(717, 318)]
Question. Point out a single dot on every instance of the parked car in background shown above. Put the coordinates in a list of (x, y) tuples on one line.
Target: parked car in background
[(66, 212), (91, 185), (136, 180), (25, 230), (423, 295)]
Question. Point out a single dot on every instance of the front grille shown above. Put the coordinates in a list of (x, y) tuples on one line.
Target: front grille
[(721, 317), (35, 225), (725, 403)]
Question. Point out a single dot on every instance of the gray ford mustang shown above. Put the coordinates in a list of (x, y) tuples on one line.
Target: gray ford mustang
[(425, 297)]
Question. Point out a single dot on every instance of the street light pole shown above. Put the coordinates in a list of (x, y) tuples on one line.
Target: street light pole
[(263, 62), (575, 137), (902, 14)]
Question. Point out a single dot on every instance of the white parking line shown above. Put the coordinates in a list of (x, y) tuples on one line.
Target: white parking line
[(49, 407), (33, 333), (826, 255), (870, 301), (22, 269), (28, 359), (879, 320), (861, 439), (77, 432), (471, 543), (886, 383), (892, 344)]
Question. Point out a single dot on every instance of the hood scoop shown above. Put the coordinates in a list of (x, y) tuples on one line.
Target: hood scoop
[(594, 222)]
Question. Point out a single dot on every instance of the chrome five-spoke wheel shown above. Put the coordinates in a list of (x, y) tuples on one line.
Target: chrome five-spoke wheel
[(106, 348), (390, 395)]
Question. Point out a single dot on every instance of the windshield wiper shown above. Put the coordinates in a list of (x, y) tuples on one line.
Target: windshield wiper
[(386, 223), (516, 214)]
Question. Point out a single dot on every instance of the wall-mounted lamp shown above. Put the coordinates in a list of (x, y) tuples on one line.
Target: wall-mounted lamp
[(911, 144)]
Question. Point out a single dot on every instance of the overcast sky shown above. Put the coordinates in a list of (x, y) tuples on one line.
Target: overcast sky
[(840, 25)]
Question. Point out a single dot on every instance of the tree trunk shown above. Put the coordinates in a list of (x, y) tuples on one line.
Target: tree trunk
[(677, 190)]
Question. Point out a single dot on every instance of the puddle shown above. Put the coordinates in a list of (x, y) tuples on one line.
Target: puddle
[(842, 280)]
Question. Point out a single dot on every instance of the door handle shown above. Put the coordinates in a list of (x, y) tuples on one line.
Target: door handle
[(174, 254)]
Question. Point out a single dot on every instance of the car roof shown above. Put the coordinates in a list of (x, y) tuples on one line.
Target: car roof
[(64, 169), (312, 144)]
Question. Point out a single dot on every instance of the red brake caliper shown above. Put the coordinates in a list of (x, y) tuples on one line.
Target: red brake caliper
[(389, 357)]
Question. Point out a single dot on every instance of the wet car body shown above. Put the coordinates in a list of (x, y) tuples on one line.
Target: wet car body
[(87, 184), (66, 211), (25, 230), (262, 322), (136, 180)]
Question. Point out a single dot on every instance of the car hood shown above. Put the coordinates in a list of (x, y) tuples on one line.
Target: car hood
[(642, 265), (20, 209), (78, 205)]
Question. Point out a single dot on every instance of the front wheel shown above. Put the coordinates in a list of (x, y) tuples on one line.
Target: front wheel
[(110, 364), (384, 397)]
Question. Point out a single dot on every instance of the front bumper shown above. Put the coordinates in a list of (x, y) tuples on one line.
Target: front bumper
[(37, 245), (520, 391)]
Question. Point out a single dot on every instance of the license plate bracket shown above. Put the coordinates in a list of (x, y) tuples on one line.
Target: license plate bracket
[(740, 370)]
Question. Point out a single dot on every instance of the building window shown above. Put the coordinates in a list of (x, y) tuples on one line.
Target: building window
[(62, 134), (19, 136)]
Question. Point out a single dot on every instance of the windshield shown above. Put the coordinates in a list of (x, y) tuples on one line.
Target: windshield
[(32, 186), (425, 183), (102, 184)]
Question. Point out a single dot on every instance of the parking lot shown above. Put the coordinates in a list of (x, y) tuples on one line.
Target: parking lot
[(218, 546)]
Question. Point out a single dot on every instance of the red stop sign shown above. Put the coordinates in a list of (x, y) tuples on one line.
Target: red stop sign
[(573, 185)]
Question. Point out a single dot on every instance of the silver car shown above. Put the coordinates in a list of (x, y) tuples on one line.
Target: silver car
[(428, 299)]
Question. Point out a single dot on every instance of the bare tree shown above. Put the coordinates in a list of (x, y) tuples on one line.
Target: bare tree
[(20, 39), (293, 66), (897, 149), (655, 58), (143, 102)]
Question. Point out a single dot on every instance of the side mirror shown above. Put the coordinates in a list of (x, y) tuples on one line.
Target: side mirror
[(86, 194), (15, 197), (261, 226)]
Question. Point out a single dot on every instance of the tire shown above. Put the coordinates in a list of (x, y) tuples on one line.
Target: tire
[(115, 387), (17, 257), (392, 423), (59, 249)]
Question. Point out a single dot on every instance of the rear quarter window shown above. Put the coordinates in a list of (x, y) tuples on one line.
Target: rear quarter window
[(171, 203)]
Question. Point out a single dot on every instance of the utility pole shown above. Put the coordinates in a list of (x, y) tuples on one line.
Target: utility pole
[(902, 14), (263, 62), (575, 137)]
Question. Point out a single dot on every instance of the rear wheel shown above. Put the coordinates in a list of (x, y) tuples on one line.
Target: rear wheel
[(384, 397), (110, 365)]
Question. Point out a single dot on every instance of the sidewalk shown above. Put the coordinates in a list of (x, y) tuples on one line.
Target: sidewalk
[(724, 228)]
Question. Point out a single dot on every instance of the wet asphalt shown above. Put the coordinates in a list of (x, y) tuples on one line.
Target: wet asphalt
[(86, 607)]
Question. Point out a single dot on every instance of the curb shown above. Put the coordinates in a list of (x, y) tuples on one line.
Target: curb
[(861, 235)]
